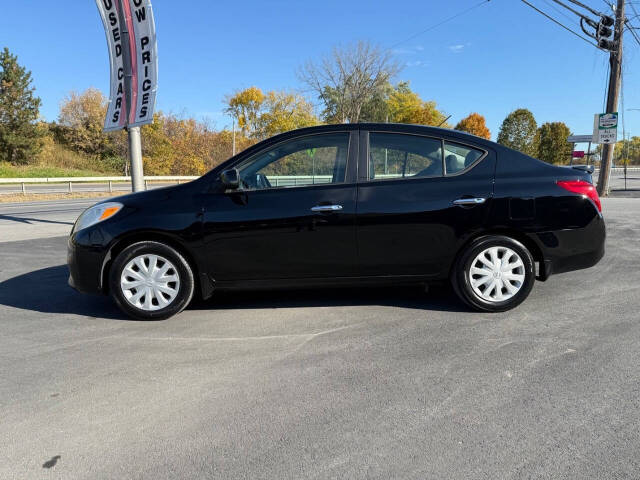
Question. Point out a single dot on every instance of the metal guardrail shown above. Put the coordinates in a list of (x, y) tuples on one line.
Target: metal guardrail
[(94, 179), (619, 170), (109, 181), (293, 180), (276, 180)]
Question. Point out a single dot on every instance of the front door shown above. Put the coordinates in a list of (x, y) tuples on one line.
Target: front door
[(416, 204), (293, 216)]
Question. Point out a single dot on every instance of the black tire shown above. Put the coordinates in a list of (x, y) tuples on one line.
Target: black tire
[(182, 269), (461, 282)]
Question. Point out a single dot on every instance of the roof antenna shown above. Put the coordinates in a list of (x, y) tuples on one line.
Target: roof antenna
[(444, 121)]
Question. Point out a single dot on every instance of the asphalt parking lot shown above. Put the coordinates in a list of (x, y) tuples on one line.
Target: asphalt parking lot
[(383, 383)]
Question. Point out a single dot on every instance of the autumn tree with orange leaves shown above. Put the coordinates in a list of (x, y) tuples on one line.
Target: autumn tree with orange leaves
[(474, 124)]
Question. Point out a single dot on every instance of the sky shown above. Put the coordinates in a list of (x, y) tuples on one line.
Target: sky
[(498, 57)]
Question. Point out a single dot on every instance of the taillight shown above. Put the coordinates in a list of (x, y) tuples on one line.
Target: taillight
[(583, 188)]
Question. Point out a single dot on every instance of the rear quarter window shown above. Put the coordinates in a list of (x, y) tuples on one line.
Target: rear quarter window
[(459, 158)]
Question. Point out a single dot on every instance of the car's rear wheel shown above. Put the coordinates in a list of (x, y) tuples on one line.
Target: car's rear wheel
[(151, 281), (493, 274)]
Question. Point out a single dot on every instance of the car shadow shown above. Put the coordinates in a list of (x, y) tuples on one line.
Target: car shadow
[(46, 291), (438, 298)]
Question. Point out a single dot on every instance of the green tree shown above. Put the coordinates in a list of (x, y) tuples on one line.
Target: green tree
[(20, 135), (376, 109), (552, 143), (474, 124), (518, 131)]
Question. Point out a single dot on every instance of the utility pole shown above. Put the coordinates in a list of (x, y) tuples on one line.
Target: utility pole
[(626, 158), (233, 127), (615, 61)]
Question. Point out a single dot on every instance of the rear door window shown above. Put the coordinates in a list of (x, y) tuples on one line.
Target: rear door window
[(397, 155)]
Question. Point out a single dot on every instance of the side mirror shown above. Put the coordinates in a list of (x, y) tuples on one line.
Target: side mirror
[(230, 179)]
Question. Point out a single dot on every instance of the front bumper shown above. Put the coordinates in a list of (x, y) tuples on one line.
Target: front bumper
[(85, 257)]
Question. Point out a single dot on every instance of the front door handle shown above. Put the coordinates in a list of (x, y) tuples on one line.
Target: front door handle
[(469, 201), (326, 208)]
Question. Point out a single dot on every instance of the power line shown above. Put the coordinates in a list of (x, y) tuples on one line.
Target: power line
[(586, 7), (635, 12), (610, 5), (439, 23), (630, 27), (561, 12), (560, 24), (633, 32), (571, 9)]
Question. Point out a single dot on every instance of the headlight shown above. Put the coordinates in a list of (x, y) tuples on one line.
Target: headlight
[(96, 214)]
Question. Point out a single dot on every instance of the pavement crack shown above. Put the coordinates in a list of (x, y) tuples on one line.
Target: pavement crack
[(307, 336)]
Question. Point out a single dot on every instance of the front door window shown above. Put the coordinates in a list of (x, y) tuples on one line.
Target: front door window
[(304, 161)]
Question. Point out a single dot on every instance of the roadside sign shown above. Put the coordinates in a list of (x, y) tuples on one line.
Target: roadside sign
[(605, 127), (115, 118), (580, 139), (608, 120), (578, 154), (144, 64), (133, 59)]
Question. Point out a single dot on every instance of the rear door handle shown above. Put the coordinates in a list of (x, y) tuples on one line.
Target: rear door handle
[(326, 208), (469, 201)]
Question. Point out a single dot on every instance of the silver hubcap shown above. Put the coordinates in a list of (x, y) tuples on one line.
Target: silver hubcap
[(150, 282), (497, 274)]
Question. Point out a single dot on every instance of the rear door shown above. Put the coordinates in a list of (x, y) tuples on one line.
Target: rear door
[(418, 201), (293, 217)]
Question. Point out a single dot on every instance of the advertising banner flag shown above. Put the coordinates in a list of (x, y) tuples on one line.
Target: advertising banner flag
[(116, 110), (144, 60), (131, 39)]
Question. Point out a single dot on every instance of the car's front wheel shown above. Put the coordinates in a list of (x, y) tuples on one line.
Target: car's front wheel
[(151, 281), (495, 273)]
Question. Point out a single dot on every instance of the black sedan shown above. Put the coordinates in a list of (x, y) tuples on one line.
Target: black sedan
[(341, 205)]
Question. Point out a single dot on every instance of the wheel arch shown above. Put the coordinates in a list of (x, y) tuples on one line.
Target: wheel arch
[(523, 238), (201, 285)]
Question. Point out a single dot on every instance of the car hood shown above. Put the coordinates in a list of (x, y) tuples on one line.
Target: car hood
[(153, 195)]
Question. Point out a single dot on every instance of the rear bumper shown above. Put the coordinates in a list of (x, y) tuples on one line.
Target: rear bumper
[(572, 249)]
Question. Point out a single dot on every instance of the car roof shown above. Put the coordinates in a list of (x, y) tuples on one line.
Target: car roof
[(393, 127)]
